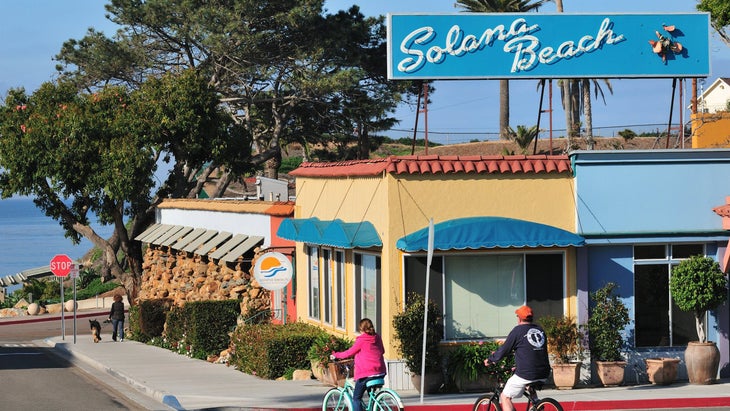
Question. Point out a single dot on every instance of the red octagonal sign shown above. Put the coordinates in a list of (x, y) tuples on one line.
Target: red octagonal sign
[(61, 265)]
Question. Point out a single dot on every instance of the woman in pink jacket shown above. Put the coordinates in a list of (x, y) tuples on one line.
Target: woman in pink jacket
[(369, 363)]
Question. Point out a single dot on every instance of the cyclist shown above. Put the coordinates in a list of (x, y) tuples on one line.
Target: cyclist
[(369, 362), (529, 343)]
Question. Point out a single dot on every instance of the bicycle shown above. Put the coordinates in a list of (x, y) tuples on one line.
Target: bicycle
[(490, 402), (378, 398)]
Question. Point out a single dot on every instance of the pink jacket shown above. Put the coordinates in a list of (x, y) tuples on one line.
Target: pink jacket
[(368, 351)]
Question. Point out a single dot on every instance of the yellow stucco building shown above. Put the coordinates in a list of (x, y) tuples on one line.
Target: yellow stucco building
[(503, 237)]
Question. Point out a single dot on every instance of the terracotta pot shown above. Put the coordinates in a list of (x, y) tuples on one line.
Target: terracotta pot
[(566, 376), (702, 360), (661, 371), (431, 385), (611, 373), (318, 370)]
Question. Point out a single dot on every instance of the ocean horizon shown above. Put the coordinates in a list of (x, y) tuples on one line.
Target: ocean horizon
[(29, 239)]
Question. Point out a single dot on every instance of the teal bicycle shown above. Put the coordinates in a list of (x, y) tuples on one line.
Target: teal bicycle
[(376, 398)]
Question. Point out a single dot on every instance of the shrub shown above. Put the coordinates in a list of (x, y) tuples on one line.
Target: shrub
[(565, 340), (152, 317), (466, 362), (268, 350), (408, 326), (606, 323), (323, 346), (697, 285)]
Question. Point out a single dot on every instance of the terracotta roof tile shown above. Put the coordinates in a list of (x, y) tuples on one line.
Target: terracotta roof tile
[(434, 164)]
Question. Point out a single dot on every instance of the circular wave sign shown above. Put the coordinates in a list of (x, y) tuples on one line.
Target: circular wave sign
[(273, 271)]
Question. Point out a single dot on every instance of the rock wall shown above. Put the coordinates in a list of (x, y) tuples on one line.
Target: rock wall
[(184, 277)]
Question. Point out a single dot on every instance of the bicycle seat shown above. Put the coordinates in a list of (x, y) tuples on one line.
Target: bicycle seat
[(375, 383)]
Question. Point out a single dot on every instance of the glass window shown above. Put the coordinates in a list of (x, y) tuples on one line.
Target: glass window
[(340, 288), (327, 285), (482, 294), (367, 289), (314, 294), (659, 322)]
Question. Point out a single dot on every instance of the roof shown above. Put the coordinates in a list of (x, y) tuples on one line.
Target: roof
[(488, 232), (273, 208), (435, 164)]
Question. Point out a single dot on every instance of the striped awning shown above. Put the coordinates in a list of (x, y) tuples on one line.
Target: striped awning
[(218, 245)]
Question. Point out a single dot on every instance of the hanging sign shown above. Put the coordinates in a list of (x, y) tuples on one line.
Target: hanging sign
[(273, 271)]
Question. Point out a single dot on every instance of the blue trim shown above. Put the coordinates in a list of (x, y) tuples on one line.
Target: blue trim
[(334, 233), (489, 232)]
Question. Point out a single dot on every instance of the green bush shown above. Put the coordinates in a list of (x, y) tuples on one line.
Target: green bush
[(565, 340), (606, 323), (323, 346), (93, 288), (152, 317), (269, 350), (408, 327), (697, 285), (210, 323), (466, 362)]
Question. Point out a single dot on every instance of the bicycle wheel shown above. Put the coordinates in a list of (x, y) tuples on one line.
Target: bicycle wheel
[(548, 404), (387, 400), (336, 400), (487, 403)]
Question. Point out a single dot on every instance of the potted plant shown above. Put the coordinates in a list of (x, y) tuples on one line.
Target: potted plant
[(408, 326), (606, 323), (467, 370), (565, 348), (319, 355), (698, 285)]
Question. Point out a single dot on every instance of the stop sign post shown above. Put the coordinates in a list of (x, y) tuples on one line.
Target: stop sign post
[(61, 265)]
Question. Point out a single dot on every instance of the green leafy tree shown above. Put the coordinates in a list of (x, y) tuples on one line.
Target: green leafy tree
[(697, 285), (79, 154), (609, 316), (719, 16), (278, 65), (501, 6)]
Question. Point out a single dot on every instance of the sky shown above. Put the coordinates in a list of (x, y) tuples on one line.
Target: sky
[(33, 31)]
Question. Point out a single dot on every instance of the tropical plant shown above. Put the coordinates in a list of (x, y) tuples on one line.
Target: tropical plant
[(697, 285), (523, 136), (324, 345), (408, 326), (501, 6), (609, 316), (466, 362), (565, 339)]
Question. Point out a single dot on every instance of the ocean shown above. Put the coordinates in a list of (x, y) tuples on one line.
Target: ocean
[(29, 239)]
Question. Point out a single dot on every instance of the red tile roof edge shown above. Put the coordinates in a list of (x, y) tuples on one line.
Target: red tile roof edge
[(434, 164)]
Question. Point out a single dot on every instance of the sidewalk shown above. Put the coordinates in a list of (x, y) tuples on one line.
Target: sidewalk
[(181, 383)]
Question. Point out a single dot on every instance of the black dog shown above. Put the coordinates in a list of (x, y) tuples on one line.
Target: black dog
[(95, 330)]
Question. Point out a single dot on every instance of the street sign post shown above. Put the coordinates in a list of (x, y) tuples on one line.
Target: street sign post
[(61, 265)]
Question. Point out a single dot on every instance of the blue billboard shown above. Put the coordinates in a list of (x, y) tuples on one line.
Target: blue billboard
[(534, 45)]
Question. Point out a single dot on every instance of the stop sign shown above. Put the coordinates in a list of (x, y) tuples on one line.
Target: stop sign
[(61, 265)]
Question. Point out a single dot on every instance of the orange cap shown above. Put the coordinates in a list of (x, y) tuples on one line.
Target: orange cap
[(524, 312)]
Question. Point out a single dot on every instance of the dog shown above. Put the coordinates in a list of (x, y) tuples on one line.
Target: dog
[(95, 330)]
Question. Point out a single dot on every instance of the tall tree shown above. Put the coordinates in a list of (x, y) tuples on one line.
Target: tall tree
[(79, 154), (501, 6), (719, 16), (276, 63)]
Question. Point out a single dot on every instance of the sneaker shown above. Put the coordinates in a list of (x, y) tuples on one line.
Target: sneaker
[(121, 340)]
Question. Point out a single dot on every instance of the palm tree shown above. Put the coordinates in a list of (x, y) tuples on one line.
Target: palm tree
[(501, 6), (523, 136)]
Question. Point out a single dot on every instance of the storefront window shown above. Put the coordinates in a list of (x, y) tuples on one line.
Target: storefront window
[(314, 285), (367, 289)]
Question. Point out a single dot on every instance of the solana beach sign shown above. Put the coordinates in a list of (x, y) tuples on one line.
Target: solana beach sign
[(535, 45)]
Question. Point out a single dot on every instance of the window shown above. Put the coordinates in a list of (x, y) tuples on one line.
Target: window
[(659, 322), (480, 292), (340, 288), (313, 255), (327, 286), (367, 289)]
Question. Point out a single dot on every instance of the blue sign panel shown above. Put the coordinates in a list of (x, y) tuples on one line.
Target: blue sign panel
[(534, 45)]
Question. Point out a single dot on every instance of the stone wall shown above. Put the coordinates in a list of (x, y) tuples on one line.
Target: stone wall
[(186, 277)]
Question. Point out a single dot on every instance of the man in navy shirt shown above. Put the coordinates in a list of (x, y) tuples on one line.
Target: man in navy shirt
[(529, 343)]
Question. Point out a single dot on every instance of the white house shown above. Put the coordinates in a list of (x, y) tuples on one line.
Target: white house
[(716, 97)]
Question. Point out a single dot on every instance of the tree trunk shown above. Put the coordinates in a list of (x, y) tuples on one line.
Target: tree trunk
[(271, 166), (588, 113), (363, 143), (503, 109)]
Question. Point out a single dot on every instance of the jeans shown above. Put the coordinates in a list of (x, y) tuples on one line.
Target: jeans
[(359, 390), (117, 329)]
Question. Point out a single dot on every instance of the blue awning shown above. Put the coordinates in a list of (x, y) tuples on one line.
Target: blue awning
[(489, 232), (334, 233)]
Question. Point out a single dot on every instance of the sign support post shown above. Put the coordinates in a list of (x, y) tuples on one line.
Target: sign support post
[(61, 266)]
